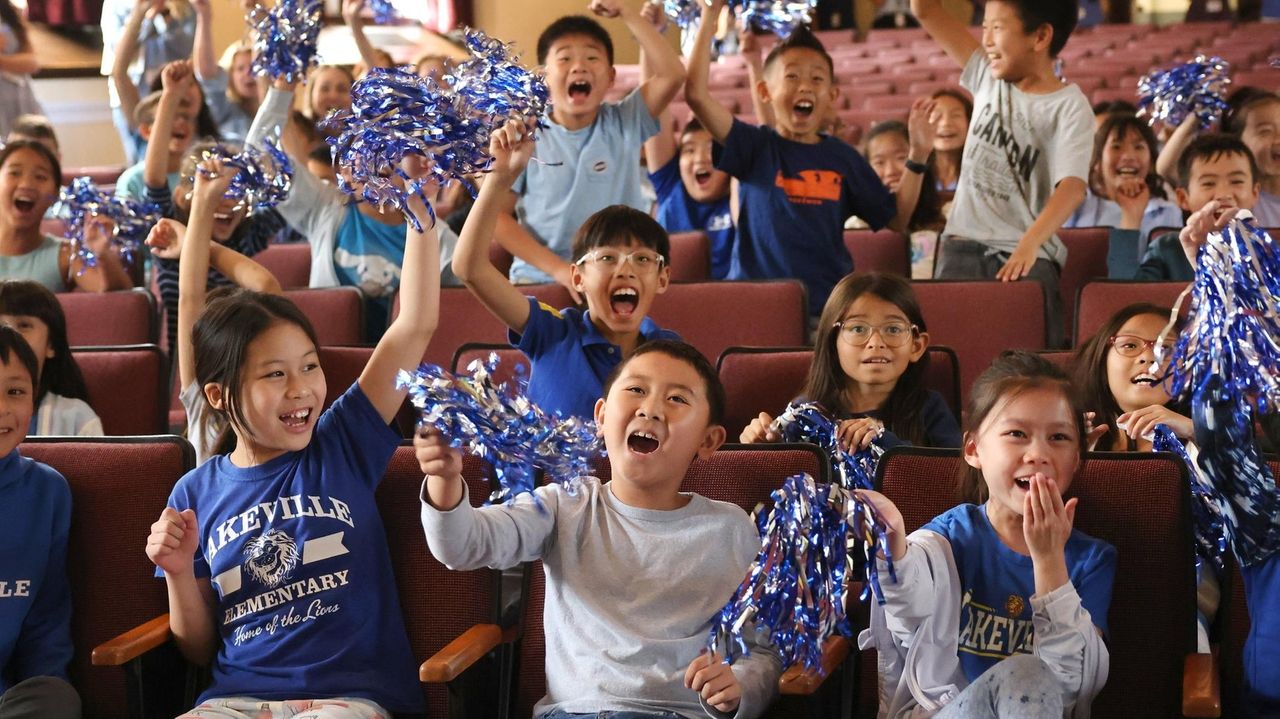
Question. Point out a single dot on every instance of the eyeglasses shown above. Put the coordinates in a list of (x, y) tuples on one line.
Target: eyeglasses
[(893, 334), (1134, 346), (644, 262)]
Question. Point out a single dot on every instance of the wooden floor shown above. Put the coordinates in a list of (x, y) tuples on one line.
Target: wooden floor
[(67, 53)]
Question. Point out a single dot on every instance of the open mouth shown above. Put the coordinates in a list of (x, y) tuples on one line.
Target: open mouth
[(297, 418), (1147, 379), (1127, 172), (1222, 210), (803, 109), (579, 90), (876, 360), (702, 177), (24, 204), (1023, 483), (624, 301), (642, 443)]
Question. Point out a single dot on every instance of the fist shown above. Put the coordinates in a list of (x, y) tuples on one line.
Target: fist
[(760, 430), (165, 239), (435, 457), (714, 681), (172, 544)]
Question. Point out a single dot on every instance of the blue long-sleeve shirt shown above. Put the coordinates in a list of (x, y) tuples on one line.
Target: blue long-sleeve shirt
[(35, 598)]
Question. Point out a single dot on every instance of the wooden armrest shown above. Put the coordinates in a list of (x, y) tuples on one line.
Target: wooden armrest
[(458, 655), (799, 681), (1201, 687), (132, 644)]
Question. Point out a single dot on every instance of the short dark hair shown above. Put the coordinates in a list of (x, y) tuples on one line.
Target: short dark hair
[(61, 374), (1238, 119), (40, 149), (1118, 107), (1059, 15), (959, 95), (802, 38), (13, 344), (693, 125), (1209, 147), (616, 224), (36, 127), (688, 354), (573, 25)]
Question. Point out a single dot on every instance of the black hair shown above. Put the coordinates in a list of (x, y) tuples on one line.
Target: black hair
[(206, 126), (802, 38), (1117, 107), (1120, 124), (688, 354), (1238, 118), (9, 16), (615, 225), (574, 25), (1209, 147), (1236, 100), (61, 374), (693, 125), (37, 147), (321, 153), (928, 212), (1060, 15), (233, 318), (13, 344), (36, 127)]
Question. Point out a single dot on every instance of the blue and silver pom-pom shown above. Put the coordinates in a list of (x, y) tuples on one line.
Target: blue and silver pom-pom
[(395, 114), (780, 17), (286, 38), (1197, 88), (263, 179), (502, 425), (495, 85), (1211, 516), (385, 12), (82, 200), (686, 14)]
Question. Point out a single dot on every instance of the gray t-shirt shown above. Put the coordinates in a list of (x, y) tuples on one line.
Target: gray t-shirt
[(204, 424), (576, 173), (630, 593), (1019, 147)]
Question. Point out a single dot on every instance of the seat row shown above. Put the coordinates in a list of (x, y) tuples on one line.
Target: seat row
[(477, 661)]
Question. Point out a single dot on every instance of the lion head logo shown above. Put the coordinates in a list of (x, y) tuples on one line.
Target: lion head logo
[(272, 555)]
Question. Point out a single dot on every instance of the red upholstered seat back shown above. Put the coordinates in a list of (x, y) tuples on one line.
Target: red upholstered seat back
[(336, 313), (1100, 300), (463, 319), (690, 259), (1086, 261), (714, 315), (119, 486), (290, 262), (128, 387), (124, 317), (879, 251)]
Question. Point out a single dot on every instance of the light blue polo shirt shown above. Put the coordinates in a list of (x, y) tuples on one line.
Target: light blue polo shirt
[(575, 174), (570, 358)]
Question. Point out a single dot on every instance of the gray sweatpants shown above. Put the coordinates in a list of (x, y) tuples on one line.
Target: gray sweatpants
[(40, 698), (960, 259), (1020, 687)]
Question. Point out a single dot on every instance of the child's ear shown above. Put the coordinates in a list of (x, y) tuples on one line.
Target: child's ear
[(1183, 199), (762, 90), (711, 440), (970, 451), (213, 393), (664, 278), (613, 75), (599, 416), (919, 345), (575, 278), (144, 129)]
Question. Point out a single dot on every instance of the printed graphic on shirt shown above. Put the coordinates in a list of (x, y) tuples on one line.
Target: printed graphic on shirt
[(276, 570), (375, 275), (15, 588), (993, 152), (721, 222), (812, 187), (996, 634)]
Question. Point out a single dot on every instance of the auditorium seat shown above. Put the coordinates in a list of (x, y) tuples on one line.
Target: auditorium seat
[(289, 262), (879, 251), (1086, 261), (119, 485), (511, 361), (690, 259), (122, 317), (714, 315), (463, 319), (336, 313), (128, 387), (1100, 299)]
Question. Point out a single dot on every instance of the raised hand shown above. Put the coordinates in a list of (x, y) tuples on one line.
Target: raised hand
[(173, 540), (1046, 520), (760, 430), (165, 239)]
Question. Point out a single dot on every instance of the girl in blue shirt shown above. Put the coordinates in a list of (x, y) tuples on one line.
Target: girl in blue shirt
[(868, 369), (274, 554)]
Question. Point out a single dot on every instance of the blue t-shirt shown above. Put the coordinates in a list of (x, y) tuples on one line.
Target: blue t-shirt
[(576, 173), (995, 609), (307, 606), (368, 255), (131, 186), (570, 358), (678, 212), (793, 200), (35, 599)]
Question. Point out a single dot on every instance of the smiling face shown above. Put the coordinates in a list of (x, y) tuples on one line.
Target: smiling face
[(1227, 178), (1125, 156), (655, 421), (950, 124), (578, 76), (1030, 431), (619, 297), (330, 90), (1009, 46), (1262, 136), (282, 390), (35, 332), (798, 85), (27, 188), (17, 403), (243, 83), (702, 180), (875, 365), (887, 153), (1130, 378)]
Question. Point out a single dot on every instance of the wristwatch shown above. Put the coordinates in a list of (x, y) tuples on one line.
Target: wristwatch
[(916, 167)]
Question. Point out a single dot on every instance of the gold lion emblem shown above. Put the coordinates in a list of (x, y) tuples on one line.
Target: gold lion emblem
[(1014, 606)]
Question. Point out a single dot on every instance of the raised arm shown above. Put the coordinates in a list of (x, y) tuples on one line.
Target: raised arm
[(659, 149), (1167, 161), (176, 78), (713, 116), (749, 49), (515, 239), (511, 149), (353, 14), (1066, 197), (660, 88), (108, 274), (920, 142), (22, 62), (407, 338), (202, 54), (946, 29), (126, 50), (172, 547)]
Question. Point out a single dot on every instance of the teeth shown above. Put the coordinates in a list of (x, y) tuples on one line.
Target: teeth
[(299, 414), (626, 292), (646, 435)]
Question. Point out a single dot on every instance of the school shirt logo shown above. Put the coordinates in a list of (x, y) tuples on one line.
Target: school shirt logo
[(272, 557), (988, 632), (812, 187)]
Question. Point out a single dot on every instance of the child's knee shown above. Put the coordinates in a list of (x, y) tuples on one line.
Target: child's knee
[(48, 697), (1029, 674)]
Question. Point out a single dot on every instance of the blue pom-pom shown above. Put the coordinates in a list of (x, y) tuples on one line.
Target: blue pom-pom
[(286, 38), (686, 14), (263, 179), (385, 12), (1211, 516), (1198, 88), (780, 17), (82, 200), (502, 425), (494, 85)]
